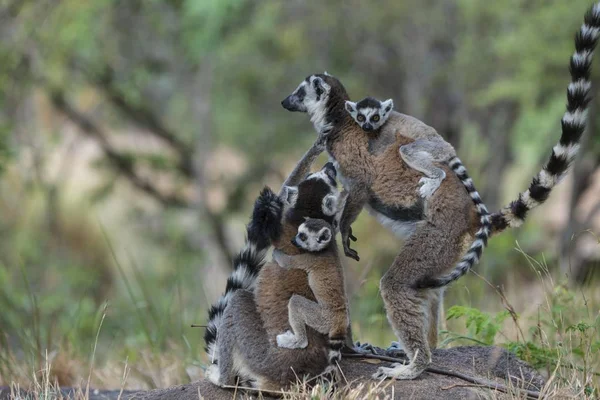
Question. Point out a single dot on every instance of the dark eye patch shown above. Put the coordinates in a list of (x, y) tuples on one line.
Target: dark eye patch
[(375, 118), (300, 93), (302, 236), (360, 117)]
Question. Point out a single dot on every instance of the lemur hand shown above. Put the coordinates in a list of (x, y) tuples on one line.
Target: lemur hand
[(346, 237)]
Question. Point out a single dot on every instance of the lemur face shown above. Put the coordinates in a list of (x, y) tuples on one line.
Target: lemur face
[(311, 97), (317, 196), (370, 113), (313, 235)]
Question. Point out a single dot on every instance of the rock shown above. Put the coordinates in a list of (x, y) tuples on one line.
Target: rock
[(491, 364)]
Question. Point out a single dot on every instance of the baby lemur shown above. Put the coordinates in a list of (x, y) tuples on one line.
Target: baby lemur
[(242, 344), (329, 314), (440, 227)]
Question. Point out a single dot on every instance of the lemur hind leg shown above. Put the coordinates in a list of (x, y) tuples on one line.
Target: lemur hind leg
[(302, 312), (421, 155), (242, 342), (429, 250), (436, 298)]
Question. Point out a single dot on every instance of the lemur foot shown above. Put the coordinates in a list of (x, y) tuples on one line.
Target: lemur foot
[(365, 348), (429, 186), (288, 340), (398, 371), (213, 374), (395, 350), (346, 238)]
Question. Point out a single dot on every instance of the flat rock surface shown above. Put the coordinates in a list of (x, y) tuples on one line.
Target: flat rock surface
[(491, 364)]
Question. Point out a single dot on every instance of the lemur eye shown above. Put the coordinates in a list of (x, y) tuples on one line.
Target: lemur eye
[(375, 118), (360, 118), (302, 236)]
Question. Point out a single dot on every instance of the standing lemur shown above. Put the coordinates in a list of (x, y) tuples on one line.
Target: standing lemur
[(440, 227), (244, 323)]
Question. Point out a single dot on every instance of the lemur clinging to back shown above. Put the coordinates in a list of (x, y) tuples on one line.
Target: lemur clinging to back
[(329, 314), (380, 121), (244, 323), (441, 226)]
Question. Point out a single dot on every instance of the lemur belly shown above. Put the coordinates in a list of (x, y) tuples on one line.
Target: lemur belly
[(402, 221)]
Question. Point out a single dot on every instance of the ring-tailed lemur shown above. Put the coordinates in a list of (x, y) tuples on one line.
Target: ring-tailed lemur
[(244, 337), (329, 314), (441, 225), (380, 121), (264, 227)]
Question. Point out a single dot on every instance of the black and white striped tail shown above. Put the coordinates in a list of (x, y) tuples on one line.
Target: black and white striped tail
[(264, 227), (573, 126), (335, 353), (473, 255)]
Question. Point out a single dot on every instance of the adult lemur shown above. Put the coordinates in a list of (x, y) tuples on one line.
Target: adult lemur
[(441, 226), (244, 323), (381, 122)]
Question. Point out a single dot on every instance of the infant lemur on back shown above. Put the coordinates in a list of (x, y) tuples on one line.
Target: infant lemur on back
[(379, 120), (329, 314)]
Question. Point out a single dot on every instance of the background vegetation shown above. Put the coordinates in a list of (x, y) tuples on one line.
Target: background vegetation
[(134, 136)]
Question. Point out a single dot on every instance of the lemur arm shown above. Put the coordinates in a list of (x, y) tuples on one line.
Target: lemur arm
[(357, 198), (307, 160)]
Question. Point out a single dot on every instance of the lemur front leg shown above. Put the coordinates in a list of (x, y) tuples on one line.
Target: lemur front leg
[(357, 198), (302, 312), (306, 162), (420, 155)]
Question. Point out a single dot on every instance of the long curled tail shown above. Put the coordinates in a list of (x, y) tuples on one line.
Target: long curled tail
[(573, 126), (473, 255), (264, 227)]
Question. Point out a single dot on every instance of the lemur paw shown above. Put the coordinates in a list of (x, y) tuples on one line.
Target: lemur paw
[(396, 350), (213, 374), (364, 348), (429, 186), (346, 238), (288, 340), (398, 371)]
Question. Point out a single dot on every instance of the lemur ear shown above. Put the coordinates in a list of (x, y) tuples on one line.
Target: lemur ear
[(329, 205), (324, 235), (387, 105), (289, 195), (351, 107), (326, 73)]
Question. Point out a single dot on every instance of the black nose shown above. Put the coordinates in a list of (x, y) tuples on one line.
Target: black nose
[(367, 127), (287, 103), (295, 242)]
